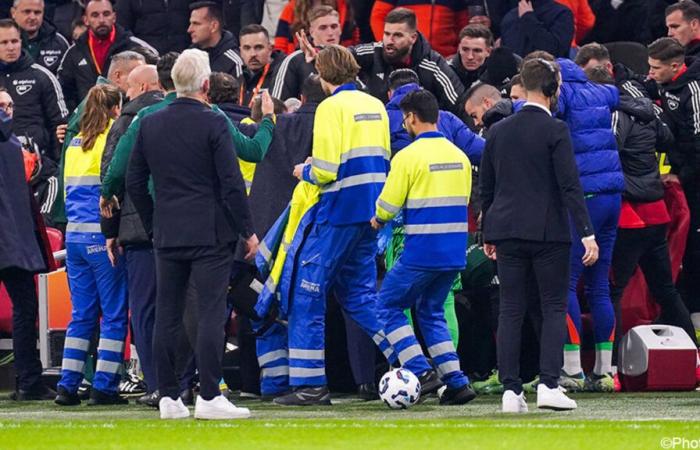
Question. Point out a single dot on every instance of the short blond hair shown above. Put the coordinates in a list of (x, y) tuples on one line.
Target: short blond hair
[(336, 65)]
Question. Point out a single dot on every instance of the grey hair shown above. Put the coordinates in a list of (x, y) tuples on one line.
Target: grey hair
[(122, 58), (190, 71), (17, 2)]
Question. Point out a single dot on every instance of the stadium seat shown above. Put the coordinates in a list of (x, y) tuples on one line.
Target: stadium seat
[(632, 54)]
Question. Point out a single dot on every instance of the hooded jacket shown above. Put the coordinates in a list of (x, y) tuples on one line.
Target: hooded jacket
[(47, 48), (550, 27), (681, 104), (434, 73), (39, 104), (448, 124), (78, 71), (223, 57), (587, 109), (161, 23), (639, 133)]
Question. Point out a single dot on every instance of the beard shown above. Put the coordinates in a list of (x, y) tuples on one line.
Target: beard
[(398, 56)]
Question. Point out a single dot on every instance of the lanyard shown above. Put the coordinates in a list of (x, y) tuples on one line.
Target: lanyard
[(257, 87), (92, 50)]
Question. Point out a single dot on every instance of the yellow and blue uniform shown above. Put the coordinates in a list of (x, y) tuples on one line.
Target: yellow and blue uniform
[(430, 180), (97, 289), (351, 150)]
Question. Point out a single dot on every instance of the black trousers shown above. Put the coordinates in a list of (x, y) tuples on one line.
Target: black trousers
[(25, 308), (210, 268), (648, 248), (691, 259), (518, 260)]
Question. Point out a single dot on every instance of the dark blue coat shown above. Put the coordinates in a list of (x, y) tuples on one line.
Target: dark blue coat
[(550, 28), (587, 109), (448, 124), (19, 245)]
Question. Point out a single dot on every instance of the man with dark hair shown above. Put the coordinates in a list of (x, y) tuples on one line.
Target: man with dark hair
[(538, 25), (541, 241), (207, 33), (39, 36), (162, 24), (431, 180), (517, 91), (38, 100), (679, 86), (403, 46), (595, 54), (351, 149), (261, 63), (475, 45), (224, 92), (683, 23), (90, 57)]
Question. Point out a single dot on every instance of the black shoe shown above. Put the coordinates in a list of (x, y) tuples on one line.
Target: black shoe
[(84, 390), (187, 397), (101, 398), (429, 383), (271, 397), (310, 396), (457, 396), (368, 392), (40, 392), (65, 398), (132, 386), (151, 399)]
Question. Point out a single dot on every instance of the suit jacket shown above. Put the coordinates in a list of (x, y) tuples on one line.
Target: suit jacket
[(529, 180), (201, 199)]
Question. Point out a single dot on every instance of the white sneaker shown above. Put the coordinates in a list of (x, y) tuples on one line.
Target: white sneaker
[(513, 403), (218, 408), (553, 398), (172, 409)]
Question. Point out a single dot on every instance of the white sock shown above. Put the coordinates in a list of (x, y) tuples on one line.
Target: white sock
[(603, 362), (572, 361), (695, 318)]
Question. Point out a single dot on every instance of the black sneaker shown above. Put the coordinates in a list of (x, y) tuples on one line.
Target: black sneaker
[(39, 393), (429, 383), (132, 386), (65, 398), (309, 396), (187, 397), (84, 390), (457, 396), (102, 398), (151, 399), (368, 392)]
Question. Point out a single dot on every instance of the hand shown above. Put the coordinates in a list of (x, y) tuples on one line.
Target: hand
[(267, 106), (299, 171), (61, 132), (252, 247), (107, 206), (590, 255), (670, 178), (305, 45), (114, 250), (376, 224), (524, 7), (490, 251)]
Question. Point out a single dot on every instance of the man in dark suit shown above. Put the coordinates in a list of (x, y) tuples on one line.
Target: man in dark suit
[(529, 187), (201, 210)]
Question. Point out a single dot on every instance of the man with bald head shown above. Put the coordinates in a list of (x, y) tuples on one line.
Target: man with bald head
[(480, 99), (141, 80)]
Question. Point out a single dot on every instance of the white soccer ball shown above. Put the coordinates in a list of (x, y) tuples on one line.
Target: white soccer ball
[(399, 389)]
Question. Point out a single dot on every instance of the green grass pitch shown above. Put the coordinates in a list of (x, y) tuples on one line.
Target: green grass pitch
[(624, 421)]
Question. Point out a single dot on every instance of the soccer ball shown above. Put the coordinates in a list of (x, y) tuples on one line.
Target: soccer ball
[(399, 389)]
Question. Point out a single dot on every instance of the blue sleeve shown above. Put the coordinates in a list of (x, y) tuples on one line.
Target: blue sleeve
[(464, 138), (306, 174)]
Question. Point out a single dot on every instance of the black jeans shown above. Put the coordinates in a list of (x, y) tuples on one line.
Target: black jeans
[(210, 268), (691, 259), (549, 262), (25, 308), (648, 248)]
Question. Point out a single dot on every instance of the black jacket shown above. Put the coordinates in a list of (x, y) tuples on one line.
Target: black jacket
[(187, 149), (291, 75), (39, 104), (224, 57), (47, 48), (161, 23), (550, 27), (273, 183), (630, 83), (499, 111), (251, 79), (693, 49), (467, 77), (78, 72), (639, 133), (125, 224), (19, 246), (434, 73), (529, 190), (681, 104), (235, 112)]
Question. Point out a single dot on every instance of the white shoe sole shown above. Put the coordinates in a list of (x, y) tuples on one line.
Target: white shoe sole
[(220, 415), (178, 415)]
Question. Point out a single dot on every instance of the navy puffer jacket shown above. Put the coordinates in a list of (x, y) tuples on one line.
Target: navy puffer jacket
[(587, 109)]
